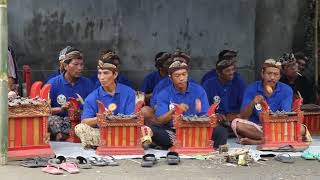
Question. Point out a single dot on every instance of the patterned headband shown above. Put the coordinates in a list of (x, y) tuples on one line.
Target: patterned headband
[(72, 55), (271, 63), (103, 65), (177, 65)]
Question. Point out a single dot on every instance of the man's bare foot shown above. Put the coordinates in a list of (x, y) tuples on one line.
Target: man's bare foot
[(247, 141)]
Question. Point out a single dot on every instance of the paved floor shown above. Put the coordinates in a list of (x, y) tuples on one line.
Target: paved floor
[(188, 169)]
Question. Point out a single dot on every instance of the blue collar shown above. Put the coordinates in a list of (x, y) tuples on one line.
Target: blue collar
[(103, 93), (178, 92)]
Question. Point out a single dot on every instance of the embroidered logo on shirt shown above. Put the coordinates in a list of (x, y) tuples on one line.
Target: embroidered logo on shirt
[(171, 106), (61, 99), (216, 99), (258, 107)]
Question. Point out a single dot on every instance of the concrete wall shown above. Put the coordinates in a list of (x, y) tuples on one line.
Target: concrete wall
[(136, 29), (279, 28)]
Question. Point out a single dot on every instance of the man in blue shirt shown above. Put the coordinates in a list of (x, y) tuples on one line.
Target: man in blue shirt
[(278, 96), (110, 92), (190, 96), (227, 55), (227, 91), (70, 83), (152, 79), (178, 55), (120, 78)]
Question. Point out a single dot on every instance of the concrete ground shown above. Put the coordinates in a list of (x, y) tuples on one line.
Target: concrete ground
[(188, 169)]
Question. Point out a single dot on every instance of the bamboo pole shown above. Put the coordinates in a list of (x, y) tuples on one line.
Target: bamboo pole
[(316, 19), (3, 83)]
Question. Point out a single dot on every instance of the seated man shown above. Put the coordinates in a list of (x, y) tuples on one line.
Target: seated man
[(165, 82), (110, 92), (278, 95), (152, 79), (190, 96), (298, 82), (225, 54), (225, 89), (62, 55), (70, 83), (120, 78)]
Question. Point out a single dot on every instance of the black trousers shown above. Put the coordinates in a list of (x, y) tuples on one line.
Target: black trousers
[(161, 136), (220, 136)]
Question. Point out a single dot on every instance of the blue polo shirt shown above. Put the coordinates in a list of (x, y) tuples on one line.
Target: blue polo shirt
[(120, 79), (228, 95), (61, 90), (213, 73), (124, 98), (171, 95), (165, 82), (280, 99), (150, 81)]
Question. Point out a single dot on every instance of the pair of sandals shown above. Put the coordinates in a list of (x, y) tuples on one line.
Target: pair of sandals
[(59, 164), (102, 161), (149, 160)]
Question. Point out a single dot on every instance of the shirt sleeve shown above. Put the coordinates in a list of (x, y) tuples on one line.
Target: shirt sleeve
[(248, 96), (11, 69), (90, 108), (162, 104)]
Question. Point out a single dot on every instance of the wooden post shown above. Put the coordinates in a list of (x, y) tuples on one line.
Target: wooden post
[(316, 43), (3, 83)]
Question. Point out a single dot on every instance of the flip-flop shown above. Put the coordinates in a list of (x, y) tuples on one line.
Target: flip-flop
[(284, 158), (110, 162), (35, 162), (83, 163), (307, 155), (70, 167), (148, 160), (95, 161), (52, 169), (173, 158), (285, 148)]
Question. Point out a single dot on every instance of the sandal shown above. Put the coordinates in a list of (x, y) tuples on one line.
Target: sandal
[(52, 169), (307, 155), (173, 158), (95, 161), (35, 162), (111, 162), (284, 158), (285, 148), (83, 163), (70, 167), (148, 160)]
